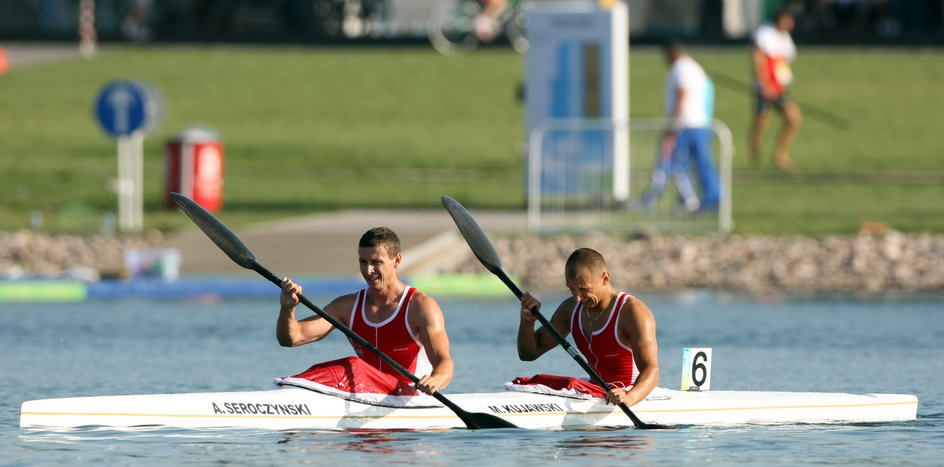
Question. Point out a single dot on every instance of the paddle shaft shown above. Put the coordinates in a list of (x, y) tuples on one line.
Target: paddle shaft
[(817, 113), (570, 349)]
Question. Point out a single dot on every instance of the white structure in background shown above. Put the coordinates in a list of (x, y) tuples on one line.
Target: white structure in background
[(578, 68), (740, 17), (579, 193)]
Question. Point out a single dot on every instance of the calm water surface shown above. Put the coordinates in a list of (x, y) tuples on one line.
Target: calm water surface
[(128, 347)]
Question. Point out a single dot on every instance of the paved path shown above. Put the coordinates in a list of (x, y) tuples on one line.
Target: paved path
[(24, 54), (326, 244)]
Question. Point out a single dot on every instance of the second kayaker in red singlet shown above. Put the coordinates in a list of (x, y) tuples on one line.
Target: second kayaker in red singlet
[(615, 332)]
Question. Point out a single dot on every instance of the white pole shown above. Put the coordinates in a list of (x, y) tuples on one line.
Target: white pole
[(87, 36), (620, 94), (125, 187), (187, 149), (726, 149), (137, 177), (535, 154)]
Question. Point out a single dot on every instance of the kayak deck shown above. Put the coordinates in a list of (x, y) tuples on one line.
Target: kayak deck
[(295, 408)]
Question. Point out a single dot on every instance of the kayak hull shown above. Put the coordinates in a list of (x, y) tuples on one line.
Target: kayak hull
[(297, 408)]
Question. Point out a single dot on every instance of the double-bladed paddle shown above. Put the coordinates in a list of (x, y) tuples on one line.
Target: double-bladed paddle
[(224, 238), (484, 250)]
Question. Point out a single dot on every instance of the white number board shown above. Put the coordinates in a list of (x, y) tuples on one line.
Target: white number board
[(696, 369)]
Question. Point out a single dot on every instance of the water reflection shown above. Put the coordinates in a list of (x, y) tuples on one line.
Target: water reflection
[(360, 440), (475, 445), (604, 444)]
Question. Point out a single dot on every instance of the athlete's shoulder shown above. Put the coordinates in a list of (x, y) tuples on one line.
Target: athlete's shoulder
[(424, 311), (636, 306), (420, 300)]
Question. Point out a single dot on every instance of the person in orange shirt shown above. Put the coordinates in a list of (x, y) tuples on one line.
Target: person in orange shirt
[(4, 62), (772, 53)]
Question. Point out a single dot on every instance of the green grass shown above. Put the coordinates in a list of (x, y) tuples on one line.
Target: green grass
[(309, 129)]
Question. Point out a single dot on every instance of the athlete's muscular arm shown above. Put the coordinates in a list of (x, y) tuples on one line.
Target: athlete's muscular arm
[(291, 332), (427, 321), (638, 329), (532, 344)]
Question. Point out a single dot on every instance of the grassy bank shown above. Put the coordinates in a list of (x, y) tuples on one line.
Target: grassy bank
[(308, 129)]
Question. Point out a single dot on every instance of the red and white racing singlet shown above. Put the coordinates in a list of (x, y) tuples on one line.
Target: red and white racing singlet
[(603, 350), (393, 337)]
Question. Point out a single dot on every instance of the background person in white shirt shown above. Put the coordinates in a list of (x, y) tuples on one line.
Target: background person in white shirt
[(689, 105), (772, 53)]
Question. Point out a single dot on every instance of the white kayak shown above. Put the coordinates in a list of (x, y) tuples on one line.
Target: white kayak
[(295, 408)]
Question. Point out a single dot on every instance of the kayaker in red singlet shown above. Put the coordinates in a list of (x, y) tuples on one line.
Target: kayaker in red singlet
[(615, 331), (400, 321)]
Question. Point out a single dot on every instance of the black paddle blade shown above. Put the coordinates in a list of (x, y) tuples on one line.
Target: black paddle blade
[(479, 420), (221, 235), (474, 235), (653, 426)]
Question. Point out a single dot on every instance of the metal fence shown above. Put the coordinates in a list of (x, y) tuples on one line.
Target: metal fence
[(573, 186)]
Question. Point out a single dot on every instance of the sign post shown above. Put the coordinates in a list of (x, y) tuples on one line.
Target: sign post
[(126, 111)]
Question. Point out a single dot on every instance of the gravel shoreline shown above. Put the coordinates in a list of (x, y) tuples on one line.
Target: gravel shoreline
[(27, 254), (888, 262)]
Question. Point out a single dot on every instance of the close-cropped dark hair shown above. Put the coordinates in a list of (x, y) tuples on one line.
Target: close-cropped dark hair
[(381, 236), (584, 259)]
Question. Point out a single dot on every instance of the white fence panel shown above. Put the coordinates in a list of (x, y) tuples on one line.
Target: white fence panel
[(571, 179)]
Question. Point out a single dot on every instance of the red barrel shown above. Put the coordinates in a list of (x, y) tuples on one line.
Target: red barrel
[(194, 168)]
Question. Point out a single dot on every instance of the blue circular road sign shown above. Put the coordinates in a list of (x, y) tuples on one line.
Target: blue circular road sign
[(124, 107)]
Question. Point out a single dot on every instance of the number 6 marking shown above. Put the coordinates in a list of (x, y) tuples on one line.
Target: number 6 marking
[(699, 369)]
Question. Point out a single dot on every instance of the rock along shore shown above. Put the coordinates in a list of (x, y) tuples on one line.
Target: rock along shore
[(29, 254), (889, 262)]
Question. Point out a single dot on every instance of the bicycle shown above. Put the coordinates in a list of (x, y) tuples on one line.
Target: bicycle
[(450, 26)]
